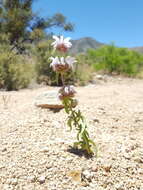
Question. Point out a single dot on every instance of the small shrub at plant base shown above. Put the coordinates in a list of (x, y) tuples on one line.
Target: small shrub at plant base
[(66, 94)]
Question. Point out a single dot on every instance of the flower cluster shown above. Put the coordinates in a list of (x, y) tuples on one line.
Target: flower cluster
[(66, 91), (62, 64), (61, 44)]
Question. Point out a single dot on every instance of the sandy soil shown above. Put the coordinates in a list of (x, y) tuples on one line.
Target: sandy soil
[(35, 143)]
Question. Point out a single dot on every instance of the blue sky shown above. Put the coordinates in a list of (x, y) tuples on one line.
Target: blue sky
[(118, 21)]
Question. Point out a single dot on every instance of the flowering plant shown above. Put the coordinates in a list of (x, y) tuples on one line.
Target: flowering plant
[(62, 44), (66, 95), (62, 64)]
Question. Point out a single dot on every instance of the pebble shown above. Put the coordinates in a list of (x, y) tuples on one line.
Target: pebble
[(45, 149), (138, 159), (32, 179), (96, 120), (119, 186), (107, 167), (94, 169), (100, 77), (127, 156), (14, 181), (42, 179), (87, 174), (4, 150)]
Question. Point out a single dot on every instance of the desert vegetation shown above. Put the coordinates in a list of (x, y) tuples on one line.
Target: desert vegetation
[(25, 50)]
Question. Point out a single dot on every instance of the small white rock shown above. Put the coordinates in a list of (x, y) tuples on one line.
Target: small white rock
[(87, 174), (42, 179), (14, 181), (45, 149), (119, 186), (32, 179), (99, 77)]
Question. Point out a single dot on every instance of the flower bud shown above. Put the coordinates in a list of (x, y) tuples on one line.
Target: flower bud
[(66, 92)]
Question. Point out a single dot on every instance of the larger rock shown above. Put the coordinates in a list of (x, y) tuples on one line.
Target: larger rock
[(49, 99)]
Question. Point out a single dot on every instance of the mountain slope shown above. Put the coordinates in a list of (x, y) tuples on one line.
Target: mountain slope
[(81, 45), (138, 49)]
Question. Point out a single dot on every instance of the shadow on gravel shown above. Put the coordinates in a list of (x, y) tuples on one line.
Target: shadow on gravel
[(79, 152), (55, 110)]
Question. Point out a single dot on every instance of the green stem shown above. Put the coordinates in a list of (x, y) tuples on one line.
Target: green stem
[(62, 78)]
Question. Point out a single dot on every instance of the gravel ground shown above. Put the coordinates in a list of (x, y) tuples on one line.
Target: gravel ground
[(35, 144)]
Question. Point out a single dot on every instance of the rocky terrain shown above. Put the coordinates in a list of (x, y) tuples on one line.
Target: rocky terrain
[(36, 145)]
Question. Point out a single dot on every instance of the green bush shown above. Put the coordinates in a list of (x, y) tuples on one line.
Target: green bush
[(15, 71), (83, 70), (112, 59)]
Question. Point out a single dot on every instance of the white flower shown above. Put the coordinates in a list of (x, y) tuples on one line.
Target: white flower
[(55, 61), (61, 43), (70, 61), (62, 64), (66, 92), (69, 89)]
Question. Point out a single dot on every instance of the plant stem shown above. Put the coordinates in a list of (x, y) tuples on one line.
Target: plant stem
[(62, 78), (75, 119)]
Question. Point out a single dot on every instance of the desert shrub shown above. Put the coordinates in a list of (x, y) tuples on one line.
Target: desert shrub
[(42, 52), (112, 59), (15, 71), (83, 71)]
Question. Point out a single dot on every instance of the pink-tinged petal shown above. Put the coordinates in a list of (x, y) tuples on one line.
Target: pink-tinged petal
[(56, 38), (53, 43), (67, 39), (66, 90), (51, 58), (57, 60), (68, 44), (62, 61), (70, 59), (61, 44), (61, 39)]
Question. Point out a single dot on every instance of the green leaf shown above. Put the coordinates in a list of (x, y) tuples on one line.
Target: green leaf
[(69, 123)]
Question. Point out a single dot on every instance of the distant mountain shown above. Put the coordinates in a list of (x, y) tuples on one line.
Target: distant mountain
[(81, 45), (138, 49)]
